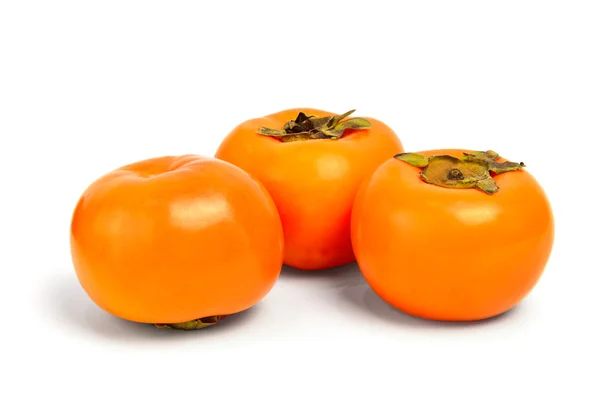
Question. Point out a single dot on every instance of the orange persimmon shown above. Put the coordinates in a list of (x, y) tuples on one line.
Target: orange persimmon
[(176, 241), (452, 234), (312, 163)]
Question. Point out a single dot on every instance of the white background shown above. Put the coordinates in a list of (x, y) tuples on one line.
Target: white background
[(86, 87)]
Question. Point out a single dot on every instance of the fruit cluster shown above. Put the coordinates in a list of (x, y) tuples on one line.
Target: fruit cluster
[(184, 241)]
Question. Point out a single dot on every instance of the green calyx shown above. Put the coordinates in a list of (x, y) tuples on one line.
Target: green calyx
[(194, 324), (472, 170), (309, 127)]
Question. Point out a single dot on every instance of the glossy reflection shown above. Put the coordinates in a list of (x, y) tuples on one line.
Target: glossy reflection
[(332, 166), (200, 212), (475, 214)]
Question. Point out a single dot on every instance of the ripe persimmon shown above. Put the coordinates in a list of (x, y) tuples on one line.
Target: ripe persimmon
[(312, 163), (452, 234), (176, 241)]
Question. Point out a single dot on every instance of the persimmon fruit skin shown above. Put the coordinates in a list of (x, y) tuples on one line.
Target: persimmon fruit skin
[(312, 182), (176, 238), (450, 254)]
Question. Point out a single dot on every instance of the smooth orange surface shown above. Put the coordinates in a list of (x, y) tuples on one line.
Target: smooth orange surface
[(450, 254), (173, 239), (313, 183)]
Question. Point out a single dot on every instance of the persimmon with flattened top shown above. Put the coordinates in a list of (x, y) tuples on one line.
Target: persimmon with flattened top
[(177, 242)]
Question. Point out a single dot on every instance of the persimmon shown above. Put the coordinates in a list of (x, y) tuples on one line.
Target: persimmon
[(453, 235), (178, 241), (312, 163)]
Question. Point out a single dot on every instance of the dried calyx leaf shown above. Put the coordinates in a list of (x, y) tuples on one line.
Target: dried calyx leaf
[(307, 127), (194, 324), (491, 156), (471, 170)]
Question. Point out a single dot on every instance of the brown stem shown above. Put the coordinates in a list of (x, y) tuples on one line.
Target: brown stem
[(310, 127)]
